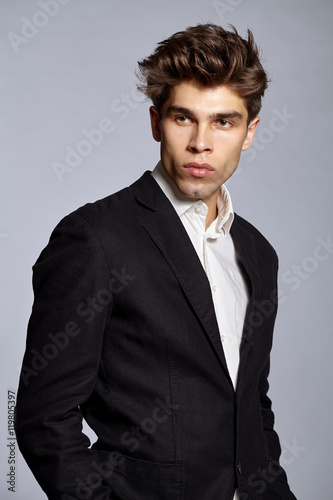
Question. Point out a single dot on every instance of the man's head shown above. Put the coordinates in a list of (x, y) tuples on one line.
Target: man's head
[(210, 56), (206, 85)]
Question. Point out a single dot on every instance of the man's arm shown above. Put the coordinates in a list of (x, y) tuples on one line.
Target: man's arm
[(274, 474), (61, 363)]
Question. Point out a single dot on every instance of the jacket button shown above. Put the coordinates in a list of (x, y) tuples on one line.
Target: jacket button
[(239, 468)]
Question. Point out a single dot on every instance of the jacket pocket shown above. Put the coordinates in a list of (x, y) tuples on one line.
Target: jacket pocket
[(135, 479)]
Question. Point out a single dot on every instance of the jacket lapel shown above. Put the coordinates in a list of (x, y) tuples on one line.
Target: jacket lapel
[(245, 245), (167, 231)]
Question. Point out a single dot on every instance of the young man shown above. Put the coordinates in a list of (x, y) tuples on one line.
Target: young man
[(154, 308)]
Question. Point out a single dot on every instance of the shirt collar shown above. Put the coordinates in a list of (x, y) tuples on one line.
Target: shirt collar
[(181, 203)]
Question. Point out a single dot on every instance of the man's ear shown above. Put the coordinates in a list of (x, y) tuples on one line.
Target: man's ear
[(251, 131), (155, 122)]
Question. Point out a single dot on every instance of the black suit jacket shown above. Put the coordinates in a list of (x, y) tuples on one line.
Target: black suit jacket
[(123, 332)]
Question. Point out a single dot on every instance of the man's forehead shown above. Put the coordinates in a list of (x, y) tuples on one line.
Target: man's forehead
[(212, 100)]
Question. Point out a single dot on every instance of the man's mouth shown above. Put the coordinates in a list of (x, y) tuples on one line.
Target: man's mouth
[(199, 169)]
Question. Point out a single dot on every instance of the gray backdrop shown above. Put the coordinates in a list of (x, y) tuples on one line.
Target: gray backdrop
[(68, 68)]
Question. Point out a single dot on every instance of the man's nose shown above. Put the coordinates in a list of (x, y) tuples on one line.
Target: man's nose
[(201, 140)]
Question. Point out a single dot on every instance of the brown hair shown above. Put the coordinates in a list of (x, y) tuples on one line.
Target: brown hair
[(209, 55)]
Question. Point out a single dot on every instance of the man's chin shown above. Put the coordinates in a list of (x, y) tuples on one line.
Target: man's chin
[(192, 194), (196, 192)]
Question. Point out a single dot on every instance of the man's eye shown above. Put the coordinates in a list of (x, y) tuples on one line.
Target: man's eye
[(182, 119), (224, 123)]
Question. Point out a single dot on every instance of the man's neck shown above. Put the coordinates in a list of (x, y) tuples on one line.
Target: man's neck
[(211, 203)]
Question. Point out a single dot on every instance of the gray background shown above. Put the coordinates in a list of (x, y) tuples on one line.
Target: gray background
[(76, 69)]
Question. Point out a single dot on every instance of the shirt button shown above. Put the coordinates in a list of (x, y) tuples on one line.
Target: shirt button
[(198, 209), (222, 338), (214, 288)]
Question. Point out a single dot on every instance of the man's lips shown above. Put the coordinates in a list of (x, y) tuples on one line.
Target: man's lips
[(199, 169)]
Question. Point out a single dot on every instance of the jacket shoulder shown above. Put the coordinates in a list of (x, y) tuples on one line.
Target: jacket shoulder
[(100, 213), (102, 208), (118, 207), (261, 242)]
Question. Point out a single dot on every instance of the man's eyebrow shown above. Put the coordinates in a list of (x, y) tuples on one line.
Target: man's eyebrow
[(231, 115), (222, 115)]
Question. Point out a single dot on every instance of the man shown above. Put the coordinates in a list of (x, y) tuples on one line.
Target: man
[(154, 308)]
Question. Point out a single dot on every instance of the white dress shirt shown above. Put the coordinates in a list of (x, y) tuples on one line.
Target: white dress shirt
[(218, 256)]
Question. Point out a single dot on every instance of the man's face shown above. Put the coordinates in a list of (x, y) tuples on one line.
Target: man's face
[(202, 133)]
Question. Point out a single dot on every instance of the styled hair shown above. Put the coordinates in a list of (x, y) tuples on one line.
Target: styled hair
[(210, 56)]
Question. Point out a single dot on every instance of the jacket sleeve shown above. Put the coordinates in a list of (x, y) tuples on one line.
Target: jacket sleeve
[(61, 362), (274, 474)]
